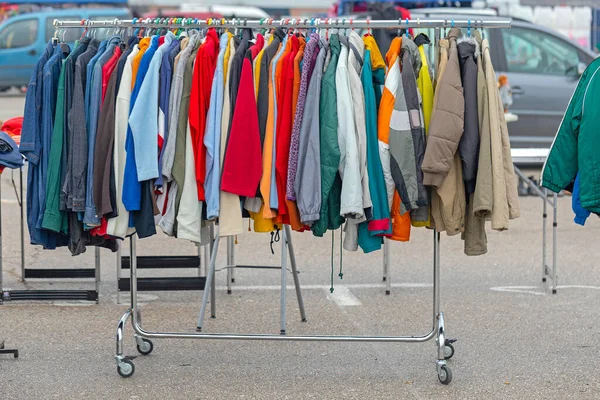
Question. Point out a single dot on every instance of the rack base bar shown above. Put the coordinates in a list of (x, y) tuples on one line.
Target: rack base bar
[(159, 262), (60, 273), (256, 266), (4, 350), (49, 295), (164, 284)]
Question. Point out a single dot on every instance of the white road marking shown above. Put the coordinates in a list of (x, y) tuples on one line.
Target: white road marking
[(321, 287), (536, 290), (343, 297)]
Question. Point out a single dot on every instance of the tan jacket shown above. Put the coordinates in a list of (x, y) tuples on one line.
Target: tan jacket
[(505, 198), (448, 203)]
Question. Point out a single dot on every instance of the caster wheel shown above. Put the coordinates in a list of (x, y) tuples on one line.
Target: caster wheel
[(125, 368), (445, 374), (448, 351), (146, 348)]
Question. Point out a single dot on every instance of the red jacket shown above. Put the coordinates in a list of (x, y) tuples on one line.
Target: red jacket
[(285, 121), (242, 167), (204, 69)]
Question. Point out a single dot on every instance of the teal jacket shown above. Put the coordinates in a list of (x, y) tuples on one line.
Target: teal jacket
[(576, 147), (331, 183)]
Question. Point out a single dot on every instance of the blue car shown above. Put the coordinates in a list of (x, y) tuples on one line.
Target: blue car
[(24, 37)]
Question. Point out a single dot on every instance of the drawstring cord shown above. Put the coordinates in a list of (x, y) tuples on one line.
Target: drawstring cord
[(274, 238)]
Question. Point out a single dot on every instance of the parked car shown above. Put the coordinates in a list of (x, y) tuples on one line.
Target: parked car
[(542, 66), (24, 37)]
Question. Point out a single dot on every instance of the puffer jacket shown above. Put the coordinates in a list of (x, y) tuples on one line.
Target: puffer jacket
[(331, 183), (426, 90), (506, 201), (576, 145), (448, 200), (412, 58), (447, 121)]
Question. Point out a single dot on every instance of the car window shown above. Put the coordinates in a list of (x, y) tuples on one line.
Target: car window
[(19, 34), (534, 52), (70, 35)]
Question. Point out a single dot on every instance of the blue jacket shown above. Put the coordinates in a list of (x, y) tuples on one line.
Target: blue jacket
[(90, 217), (89, 78), (212, 137), (143, 119), (31, 144), (9, 152), (132, 188), (581, 214)]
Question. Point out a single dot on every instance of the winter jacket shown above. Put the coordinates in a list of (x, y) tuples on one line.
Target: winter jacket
[(331, 184), (468, 147), (400, 221), (575, 147), (307, 186), (447, 121), (506, 201), (411, 61), (352, 199), (581, 214), (426, 90)]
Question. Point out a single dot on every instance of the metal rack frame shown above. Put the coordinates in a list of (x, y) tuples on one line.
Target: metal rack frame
[(46, 273), (445, 351)]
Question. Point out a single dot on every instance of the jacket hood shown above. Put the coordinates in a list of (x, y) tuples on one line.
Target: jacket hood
[(467, 47), (454, 33), (422, 39), (356, 49), (409, 47)]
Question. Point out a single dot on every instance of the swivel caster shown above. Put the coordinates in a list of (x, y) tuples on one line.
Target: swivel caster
[(125, 368), (448, 351), (445, 374), (145, 348)]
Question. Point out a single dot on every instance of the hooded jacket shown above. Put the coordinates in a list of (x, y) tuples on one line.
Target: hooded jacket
[(447, 122), (575, 147), (331, 184), (506, 202)]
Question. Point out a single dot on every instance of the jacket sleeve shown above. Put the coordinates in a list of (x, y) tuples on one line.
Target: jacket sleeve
[(581, 214), (446, 126), (212, 141), (79, 148), (144, 126), (561, 165)]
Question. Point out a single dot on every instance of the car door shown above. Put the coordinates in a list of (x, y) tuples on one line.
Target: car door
[(542, 70), (19, 50)]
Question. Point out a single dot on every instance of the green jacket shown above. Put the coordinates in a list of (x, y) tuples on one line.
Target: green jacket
[(331, 183), (576, 147)]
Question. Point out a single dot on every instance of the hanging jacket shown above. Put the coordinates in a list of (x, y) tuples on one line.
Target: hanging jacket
[(204, 69), (331, 184), (352, 198), (400, 221), (118, 226), (212, 137), (411, 61), (447, 121), (469, 143), (307, 186), (506, 201), (426, 90), (263, 80)]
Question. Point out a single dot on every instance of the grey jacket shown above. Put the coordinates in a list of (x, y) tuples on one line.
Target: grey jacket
[(468, 147), (412, 58), (308, 174)]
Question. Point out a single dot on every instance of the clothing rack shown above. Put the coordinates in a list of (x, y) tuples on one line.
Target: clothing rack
[(47, 273), (445, 351)]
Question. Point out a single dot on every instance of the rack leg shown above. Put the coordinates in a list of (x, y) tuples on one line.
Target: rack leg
[(443, 370), (295, 273), (209, 276), (544, 235), (230, 265), (283, 296), (232, 276), (386, 266), (21, 205), (554, 242), (206, 258), (97, 265), (119, 260), (120, 333), (213, 285), (199, 248)]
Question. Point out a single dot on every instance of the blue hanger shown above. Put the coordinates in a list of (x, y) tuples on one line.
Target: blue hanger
[(469, 28)]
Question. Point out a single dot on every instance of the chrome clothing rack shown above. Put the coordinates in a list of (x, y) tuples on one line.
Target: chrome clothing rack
[(445, 351)]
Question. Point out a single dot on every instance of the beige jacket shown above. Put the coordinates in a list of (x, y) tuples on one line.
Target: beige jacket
[(505, 198), (448, 202)]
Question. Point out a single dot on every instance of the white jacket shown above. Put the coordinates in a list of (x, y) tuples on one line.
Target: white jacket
[(352, 198), (119, 226)]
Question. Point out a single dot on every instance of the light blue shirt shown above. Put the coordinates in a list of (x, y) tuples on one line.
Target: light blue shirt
[(274, 197), (212, 137)]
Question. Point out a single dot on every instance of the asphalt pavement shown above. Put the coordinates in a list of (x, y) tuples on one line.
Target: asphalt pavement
[(516, 340)]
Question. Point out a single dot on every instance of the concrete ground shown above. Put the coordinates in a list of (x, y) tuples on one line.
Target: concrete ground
[(515, 339)]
